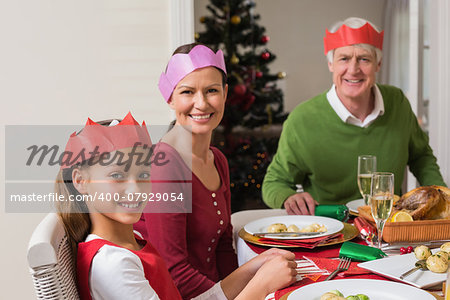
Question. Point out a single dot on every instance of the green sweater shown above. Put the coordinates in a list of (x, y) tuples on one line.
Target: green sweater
[(318, 150)]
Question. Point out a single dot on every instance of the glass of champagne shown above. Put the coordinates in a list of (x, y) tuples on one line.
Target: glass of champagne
[(367, 164), (381, 199)]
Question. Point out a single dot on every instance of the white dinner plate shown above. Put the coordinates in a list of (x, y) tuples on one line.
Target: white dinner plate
[(353, 205), (374, 289), (394, 266), (261, 225)]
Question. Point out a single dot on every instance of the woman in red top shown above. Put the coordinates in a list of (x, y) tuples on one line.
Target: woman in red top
[(196, 245)]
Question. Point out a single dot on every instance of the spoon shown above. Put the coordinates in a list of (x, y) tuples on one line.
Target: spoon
[(420, 264)]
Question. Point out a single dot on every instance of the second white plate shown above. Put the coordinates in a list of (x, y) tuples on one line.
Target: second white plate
[(261, 225), (353, 205)]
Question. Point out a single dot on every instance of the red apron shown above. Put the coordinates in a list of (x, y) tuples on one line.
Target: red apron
[(154, 268)]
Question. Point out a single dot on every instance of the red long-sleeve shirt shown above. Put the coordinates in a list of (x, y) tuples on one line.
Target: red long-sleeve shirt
[(196, 246)]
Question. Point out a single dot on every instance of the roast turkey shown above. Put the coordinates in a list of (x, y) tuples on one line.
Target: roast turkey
[(423, 203), (426, 203)]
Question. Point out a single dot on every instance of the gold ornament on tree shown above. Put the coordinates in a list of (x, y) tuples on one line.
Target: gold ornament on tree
[(202, 19), (234, 59), (235, 20), (196, 36), (281, 75)]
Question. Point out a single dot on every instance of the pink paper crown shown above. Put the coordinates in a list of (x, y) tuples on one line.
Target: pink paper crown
[(346, 36), (103, 139), (182, 64)]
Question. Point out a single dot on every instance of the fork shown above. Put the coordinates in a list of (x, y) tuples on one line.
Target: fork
[(344, 264)]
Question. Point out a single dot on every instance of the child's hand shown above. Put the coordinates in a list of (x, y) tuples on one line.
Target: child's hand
[(277, 272), (255, 263)]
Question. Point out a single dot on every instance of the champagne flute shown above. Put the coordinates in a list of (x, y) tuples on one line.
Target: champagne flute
[(381, 199), (367, 164)]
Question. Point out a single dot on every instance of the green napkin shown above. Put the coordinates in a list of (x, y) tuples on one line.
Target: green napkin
[(339, 212), (360, 252)]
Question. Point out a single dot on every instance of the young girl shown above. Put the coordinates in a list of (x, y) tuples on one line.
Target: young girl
[(105, 172)]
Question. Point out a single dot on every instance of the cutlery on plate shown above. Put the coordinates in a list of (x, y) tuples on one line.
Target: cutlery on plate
[(287, 234), (420, 264)]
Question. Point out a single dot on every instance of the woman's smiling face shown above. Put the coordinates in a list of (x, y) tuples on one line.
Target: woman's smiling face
[(199, 100), (354, 71)]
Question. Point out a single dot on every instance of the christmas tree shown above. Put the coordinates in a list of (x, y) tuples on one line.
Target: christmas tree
[(254, 100)]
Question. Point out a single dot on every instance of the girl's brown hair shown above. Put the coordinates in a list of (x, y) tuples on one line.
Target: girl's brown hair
[(73, 213)]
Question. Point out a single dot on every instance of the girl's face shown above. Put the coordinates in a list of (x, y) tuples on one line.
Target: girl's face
[(116, 191), (199, 100)]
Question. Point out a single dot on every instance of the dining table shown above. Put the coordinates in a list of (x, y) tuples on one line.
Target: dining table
[(324, 257)]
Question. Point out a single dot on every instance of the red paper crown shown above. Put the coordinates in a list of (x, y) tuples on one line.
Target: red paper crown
[(346, 36), (96, 139)]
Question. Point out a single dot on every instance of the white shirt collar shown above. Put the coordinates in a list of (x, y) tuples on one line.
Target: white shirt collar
[(348, 117)]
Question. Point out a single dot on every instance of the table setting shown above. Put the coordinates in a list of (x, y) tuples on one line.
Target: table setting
[(317, 261), (348, 251)]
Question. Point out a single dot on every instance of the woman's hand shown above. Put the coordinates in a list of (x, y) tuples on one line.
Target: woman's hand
[(300, 204)]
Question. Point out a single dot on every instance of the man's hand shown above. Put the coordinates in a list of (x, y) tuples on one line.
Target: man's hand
[(300, 204)]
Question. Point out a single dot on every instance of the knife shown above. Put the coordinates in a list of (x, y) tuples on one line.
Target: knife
[(430, 244), (286, 234)]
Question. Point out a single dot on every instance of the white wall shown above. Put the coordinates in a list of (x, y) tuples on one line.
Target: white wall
[(62, 61), (296, 29)]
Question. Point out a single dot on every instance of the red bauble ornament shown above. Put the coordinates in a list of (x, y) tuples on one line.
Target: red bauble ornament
[(265, 55), (259, 74), (250, 99), (240, 89), (265, 39)]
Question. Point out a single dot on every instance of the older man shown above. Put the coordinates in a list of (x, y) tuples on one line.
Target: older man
[(323, 137)]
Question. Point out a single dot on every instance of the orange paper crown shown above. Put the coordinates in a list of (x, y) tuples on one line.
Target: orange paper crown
[(96, 139), (346, 36)]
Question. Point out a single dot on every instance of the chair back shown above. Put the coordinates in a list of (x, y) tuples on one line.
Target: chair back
[(51, 262)]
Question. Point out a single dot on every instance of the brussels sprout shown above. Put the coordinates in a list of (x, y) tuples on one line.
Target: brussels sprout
[(331, 296), (336, 292), (337, 295)]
